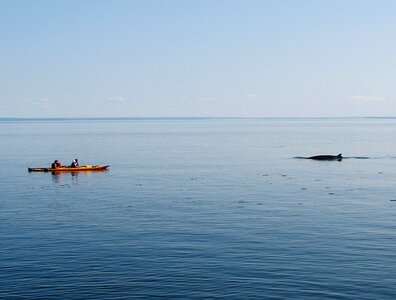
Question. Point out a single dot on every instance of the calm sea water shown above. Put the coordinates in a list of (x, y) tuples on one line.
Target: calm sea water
[(199, 208)]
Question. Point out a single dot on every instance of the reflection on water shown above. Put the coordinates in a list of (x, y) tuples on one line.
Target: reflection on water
[(57, 176), (60, 177)]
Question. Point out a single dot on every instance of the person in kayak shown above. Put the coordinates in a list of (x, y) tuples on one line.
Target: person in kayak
[(56, 164), (75, 164)]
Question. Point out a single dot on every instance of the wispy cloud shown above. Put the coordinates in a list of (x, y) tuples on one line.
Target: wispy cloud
[(252, 96), (116, 99), (207, 98), (44, 102), (40, 102), (368, 98)]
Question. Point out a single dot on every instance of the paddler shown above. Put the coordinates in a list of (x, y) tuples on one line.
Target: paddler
[(56, 164), (74, 163)]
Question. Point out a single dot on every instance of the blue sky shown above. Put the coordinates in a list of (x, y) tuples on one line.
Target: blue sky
[(197, 58)]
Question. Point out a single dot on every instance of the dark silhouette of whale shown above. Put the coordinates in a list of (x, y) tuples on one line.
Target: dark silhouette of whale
[(327, 157)]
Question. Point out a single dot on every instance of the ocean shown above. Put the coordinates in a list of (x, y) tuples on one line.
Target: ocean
[(199, 208)]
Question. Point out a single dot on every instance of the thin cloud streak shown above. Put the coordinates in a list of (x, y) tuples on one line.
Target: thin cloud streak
[(368, 98), (116, 99)]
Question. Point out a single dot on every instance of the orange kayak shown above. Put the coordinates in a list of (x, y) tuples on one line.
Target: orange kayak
[(69, 169)]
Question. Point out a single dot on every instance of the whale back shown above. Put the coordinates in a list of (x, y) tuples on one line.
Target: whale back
[(327, 157)]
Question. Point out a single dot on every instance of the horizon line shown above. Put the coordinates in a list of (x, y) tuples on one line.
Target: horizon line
[(185, 118)]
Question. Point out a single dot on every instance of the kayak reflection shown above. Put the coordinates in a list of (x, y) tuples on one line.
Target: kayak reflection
[(58, 176)]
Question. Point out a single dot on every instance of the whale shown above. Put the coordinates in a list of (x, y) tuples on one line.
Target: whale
[(327, 157)]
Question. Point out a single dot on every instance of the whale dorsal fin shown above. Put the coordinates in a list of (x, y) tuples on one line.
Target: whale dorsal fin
[(339, 155)]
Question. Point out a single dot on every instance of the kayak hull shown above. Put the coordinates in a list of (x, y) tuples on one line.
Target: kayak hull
[(69, 169)]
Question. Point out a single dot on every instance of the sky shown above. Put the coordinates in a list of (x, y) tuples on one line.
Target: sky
[(197, 58)]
